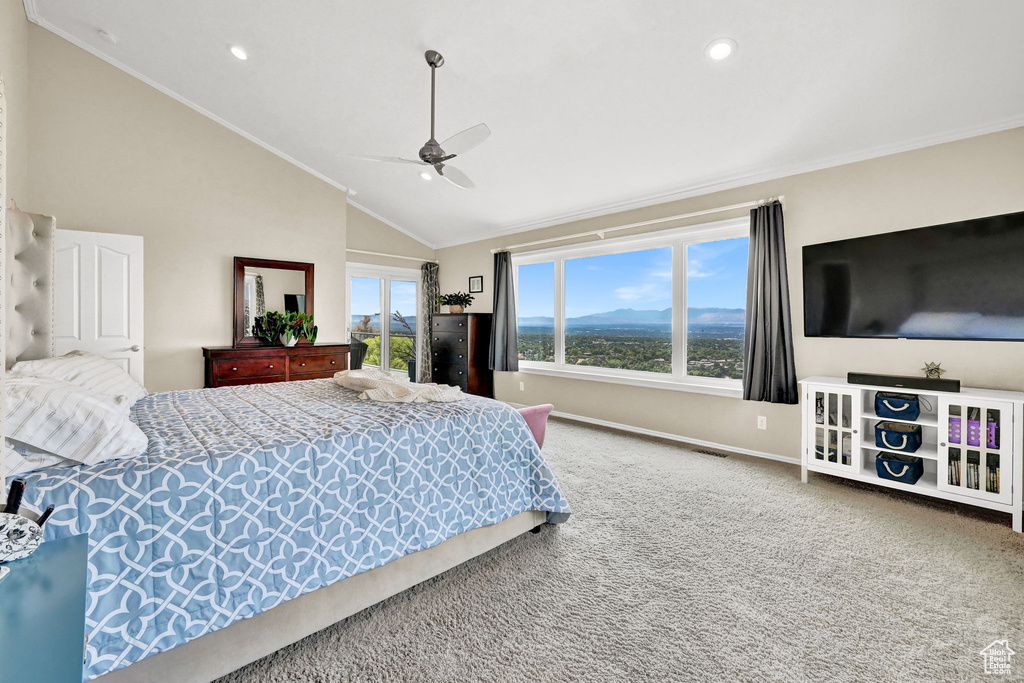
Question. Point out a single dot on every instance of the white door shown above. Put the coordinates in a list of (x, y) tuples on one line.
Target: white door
[(98, 297), (833, 440), (975, 448)]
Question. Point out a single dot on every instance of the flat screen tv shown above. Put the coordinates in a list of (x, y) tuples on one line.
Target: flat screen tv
[(960, 280)]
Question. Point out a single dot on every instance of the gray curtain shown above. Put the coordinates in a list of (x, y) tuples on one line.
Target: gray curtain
[(504, 353), (769, 373), (429, 291)]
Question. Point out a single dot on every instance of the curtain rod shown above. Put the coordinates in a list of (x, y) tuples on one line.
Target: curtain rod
[(601, 233), (378, 253)]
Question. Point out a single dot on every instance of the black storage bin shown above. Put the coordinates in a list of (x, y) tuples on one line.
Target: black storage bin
[(897, 436), (903, 468)]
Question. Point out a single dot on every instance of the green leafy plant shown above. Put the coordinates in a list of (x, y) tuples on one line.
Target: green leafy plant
[(456, 299), (270, 328)]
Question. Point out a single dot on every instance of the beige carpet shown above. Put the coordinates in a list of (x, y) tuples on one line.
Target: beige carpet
[(683, 566)]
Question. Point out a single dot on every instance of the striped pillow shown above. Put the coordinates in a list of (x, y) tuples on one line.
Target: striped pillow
[(57, 417), (88, 371)]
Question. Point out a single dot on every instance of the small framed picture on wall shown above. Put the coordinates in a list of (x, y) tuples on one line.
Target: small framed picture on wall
[(476, 284)]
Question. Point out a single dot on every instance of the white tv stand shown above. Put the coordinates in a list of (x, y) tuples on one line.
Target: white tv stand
[(839, 438)]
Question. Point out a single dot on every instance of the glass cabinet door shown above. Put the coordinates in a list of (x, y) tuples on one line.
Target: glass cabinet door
[(974, 449), (834, 441)]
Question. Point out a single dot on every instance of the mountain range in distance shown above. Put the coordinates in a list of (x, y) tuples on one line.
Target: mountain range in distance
[(617, 318), (631, 316)]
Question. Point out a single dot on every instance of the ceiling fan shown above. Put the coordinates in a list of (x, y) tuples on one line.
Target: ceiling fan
[(437, 155)]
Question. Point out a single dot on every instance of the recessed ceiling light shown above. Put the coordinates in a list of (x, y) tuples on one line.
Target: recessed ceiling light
[(425, 175), (720, 48), (109, 37), (238, 52)]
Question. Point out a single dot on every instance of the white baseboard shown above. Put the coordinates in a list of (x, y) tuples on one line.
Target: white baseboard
[(666, 435)]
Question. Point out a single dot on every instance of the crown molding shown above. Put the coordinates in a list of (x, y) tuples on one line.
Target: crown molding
[(392, 224), (741, 180)]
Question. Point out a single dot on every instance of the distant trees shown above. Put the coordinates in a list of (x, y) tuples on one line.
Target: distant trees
[(709, 354)]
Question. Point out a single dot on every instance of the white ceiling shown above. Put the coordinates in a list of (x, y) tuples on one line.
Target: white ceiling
[(593, 106)]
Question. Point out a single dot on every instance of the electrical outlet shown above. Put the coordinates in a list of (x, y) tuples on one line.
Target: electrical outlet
[(762, 422), (522, 386)]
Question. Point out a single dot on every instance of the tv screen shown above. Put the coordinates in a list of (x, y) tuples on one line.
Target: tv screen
[(960, 280)]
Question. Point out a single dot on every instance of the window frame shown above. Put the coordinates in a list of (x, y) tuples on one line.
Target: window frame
[(675, 238), (385, 274)]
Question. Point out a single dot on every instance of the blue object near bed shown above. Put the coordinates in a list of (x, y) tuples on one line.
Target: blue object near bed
[(250, 496)]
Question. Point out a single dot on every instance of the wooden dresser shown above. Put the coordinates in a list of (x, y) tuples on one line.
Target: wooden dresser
[(230, 365), (460, 343)]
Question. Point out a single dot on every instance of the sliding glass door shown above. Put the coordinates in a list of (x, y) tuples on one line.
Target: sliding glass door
[(383, 305)]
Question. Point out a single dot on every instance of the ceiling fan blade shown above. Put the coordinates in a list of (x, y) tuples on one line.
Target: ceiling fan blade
[(455, 176), (393, 160), (460, 143)]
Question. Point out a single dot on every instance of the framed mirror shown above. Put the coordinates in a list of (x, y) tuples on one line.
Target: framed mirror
[(263, 285)]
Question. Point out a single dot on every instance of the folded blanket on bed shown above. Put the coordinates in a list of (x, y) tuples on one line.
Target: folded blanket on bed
[(377, 385)]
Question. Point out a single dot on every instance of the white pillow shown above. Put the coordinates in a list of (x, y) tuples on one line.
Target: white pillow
[(60, 418), (88, 371), (21, 458)]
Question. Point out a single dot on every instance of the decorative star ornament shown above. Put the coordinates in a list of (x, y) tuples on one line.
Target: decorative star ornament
[(932, 370)]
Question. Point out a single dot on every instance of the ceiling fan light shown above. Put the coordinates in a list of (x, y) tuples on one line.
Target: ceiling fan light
[(239, 52), (425, 175)]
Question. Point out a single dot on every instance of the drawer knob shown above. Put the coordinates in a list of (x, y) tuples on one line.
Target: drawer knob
[(271, 366), (460, 355), (234, 369), (332, 362), (460, 339), (460, 372), (461, 324), (301, 365)]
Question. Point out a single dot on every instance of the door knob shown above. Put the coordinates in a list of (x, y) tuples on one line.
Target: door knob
[(135, 348)]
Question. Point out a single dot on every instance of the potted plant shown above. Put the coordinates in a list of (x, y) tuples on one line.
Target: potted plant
[(284, 328), (456, 302)]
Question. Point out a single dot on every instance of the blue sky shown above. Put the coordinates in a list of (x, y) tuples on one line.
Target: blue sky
[(642, 280), (366, 296)]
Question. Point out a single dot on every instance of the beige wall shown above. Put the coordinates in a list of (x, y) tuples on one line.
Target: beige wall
[(367, 233), (14, 70), (111, 154), (966, 179)]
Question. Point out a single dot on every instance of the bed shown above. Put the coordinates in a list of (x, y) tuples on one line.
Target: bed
[(262, 513), (250, 496)]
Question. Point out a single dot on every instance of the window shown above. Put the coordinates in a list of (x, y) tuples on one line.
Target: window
[(391, 339), (662, 309), (535, 309)]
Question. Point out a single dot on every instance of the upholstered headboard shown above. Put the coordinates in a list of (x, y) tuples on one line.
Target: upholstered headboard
[(30, 262)]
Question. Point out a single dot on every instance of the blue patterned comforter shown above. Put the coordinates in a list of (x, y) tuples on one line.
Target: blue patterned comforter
[(250, 496)]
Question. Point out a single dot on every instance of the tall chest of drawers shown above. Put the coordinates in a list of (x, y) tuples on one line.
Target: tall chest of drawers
[(459, 349), (227, 365)]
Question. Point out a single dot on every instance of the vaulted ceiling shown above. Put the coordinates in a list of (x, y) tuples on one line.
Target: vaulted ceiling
[(593, 106)]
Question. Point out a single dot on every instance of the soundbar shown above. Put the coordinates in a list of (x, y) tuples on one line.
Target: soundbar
[(923, 383)]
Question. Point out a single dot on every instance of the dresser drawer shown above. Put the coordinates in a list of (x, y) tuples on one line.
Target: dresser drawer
[(304, 365), (455, 375), (451, 323), (232, 368), (450, 355), (449, 340)]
